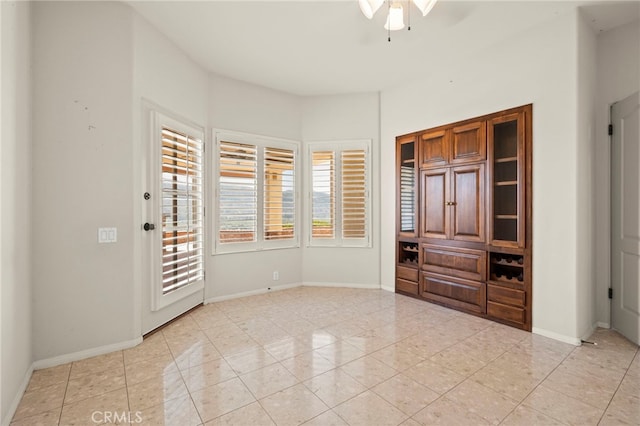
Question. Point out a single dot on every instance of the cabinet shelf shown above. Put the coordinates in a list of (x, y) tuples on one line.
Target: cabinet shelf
[(409, 161), (507, 183), (410, 249), (507, 216), (506, 160)]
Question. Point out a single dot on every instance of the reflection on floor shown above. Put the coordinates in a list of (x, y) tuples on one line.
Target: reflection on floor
[(327, 356)]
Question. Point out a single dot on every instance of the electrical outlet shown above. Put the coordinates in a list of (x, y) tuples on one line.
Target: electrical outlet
[(276, 275)]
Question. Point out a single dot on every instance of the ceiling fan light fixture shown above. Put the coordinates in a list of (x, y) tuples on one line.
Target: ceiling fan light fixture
[(370, 7), (395, 19), (425, 6)]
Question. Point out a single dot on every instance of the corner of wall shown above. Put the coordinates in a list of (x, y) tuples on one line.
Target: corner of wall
[(16, 207)]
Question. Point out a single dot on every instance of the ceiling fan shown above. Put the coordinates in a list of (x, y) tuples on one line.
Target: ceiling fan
[(395, 17)]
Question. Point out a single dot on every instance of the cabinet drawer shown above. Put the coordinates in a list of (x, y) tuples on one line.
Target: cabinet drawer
[(458, 262), (407, 286), (456, 292), (507, 296), (504, 312), (407, 273)]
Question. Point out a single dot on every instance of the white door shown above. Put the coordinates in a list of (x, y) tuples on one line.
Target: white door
[(625, 217), (173, 220)]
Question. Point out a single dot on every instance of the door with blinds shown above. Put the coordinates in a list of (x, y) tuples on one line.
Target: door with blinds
[(173, 223)]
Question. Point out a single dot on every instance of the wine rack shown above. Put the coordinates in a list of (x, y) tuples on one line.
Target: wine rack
[(507, 268), (408, 254)]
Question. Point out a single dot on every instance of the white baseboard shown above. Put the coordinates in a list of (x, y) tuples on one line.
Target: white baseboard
[(288, 286), (388, 288), (251, 293), (556, 336), (87, 353), (600, 324), (341, 285), (16, 400)]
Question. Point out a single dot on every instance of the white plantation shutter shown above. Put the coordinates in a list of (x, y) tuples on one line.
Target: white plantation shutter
[(323, 194), (354, 194), (339, 194), (279, 194), (182, 210), (257, 190), (407, 191), (238, 192)]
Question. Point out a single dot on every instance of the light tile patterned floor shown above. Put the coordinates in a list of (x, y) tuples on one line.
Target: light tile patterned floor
[(327, 356)]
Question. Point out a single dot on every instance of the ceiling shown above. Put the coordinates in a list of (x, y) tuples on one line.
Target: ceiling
[(328, 47)]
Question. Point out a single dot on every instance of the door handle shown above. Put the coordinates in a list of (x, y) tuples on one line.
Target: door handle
[(148, 226)]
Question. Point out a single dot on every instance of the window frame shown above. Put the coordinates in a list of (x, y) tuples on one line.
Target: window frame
[(338, 147), (261, 143), (159, 120)]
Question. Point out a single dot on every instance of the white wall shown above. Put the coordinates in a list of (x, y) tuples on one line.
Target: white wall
[(344, 117), (585, 183), (538, 66), (15, 212), (167, 80), (618, 68), (235, 105), (83, 292)]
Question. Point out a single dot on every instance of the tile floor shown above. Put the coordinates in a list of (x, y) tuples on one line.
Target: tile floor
[(320, 356)]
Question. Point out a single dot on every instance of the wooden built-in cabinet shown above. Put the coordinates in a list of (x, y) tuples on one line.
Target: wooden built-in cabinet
[(464, 216)]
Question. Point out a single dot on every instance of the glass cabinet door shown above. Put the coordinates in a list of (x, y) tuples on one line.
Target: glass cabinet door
[(505, 137), (406, 191)]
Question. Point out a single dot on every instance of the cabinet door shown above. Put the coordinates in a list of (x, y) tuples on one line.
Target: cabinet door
[(434, 218), (406, 186), (469, 143), (467, 188), (506, 149), (434, 149)]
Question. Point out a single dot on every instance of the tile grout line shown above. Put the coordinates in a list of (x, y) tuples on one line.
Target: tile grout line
[(541, 382), (182, 376), (65, 393), (619, 384)]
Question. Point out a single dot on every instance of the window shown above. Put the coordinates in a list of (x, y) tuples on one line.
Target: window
[(339, 194), (256, 193), (182, 210)]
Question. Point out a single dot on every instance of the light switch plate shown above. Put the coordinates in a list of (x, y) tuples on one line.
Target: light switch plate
[(107, 235)]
